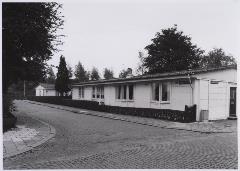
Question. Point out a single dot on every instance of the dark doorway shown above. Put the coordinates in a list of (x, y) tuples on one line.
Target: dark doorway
[(233, 101)]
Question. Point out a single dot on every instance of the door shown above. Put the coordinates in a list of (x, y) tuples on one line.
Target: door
[(218, 107), (233, 101)]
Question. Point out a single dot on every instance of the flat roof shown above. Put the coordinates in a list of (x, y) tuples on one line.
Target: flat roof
[(163, 76)]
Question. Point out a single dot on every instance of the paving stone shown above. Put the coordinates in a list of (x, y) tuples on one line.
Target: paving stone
[(90, 142)]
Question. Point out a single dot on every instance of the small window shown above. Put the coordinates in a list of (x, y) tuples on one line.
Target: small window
[(214, 82), (165, 92), (130, 90)]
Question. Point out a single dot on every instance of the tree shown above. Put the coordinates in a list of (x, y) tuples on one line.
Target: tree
[(141, 69), (125, 73), (217, 58), (70, 71), (29, 39), (62, 81), (50, 76), (95, 74), (107, 74), (80, 73), (171, 51)]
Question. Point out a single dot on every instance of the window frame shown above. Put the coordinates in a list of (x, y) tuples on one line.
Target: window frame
[(168, 92), (160, 89), (120, 92), (97, 92)]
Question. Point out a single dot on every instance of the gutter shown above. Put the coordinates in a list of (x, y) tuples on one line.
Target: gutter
[(129, 81)]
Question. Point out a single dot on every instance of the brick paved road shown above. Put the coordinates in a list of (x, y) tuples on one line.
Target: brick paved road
[(91, 142)]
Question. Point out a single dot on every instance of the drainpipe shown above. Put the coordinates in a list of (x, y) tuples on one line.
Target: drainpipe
[(190, 83)]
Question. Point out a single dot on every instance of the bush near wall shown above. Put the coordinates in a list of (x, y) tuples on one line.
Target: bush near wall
[(189, 115), (9, 120)]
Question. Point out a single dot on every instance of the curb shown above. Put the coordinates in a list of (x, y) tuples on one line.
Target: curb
[(51, 134), (126, 120)]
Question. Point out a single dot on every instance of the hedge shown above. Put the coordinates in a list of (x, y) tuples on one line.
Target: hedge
[(189, 115), (9, 120)]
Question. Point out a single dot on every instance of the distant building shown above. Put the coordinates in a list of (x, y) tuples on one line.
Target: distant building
[(44, 89), (213, 90)]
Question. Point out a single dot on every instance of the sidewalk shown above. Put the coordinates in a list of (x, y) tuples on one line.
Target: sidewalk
[(221, 126), (28, 134)]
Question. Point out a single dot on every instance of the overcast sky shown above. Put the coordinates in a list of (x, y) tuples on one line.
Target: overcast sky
[(110, 34)]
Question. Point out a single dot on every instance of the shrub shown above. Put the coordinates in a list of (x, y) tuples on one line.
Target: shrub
[(189, 115), (9, 120)]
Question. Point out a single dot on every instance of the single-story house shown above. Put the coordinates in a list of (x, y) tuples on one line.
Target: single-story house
[(45, 89), (213, 90)]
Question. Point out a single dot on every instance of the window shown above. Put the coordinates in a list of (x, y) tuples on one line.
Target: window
[(93, 92), (125, 92), (130, 90), (165, 92), (102, 92), (155, 92), (119, 92), (163, 95), (98, 92), (81, 92)]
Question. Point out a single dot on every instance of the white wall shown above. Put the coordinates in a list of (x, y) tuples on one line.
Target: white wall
[(212, 97), (215, 99), (229, 75), (41, 91), (180, 95), (75, 95)]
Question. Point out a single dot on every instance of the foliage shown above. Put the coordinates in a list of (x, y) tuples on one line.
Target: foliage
[(171, 51), (62, 81), (50, 78), (108, 74), (29, 39), (80, 73), (125, 73), (217, 58), (189, 115), (94, 74), (70, 71), (140, 68)]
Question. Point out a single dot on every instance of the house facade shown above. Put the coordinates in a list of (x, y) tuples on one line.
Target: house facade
[(44, 89), (212, 90)]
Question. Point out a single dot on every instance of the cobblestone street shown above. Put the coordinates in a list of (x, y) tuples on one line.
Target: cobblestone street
[(90, 142)]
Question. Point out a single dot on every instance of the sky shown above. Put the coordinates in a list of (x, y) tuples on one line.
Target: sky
[(110, 34)]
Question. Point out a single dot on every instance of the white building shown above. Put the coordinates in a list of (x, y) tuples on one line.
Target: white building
[(212, 89), (44, 89)]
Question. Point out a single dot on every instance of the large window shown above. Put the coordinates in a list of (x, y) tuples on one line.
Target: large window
[(161, 92), (125, 92), (119, 90), (155, 91), (130, 94), (81, 92), (93, 92), (98, 92), (165, 92)]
